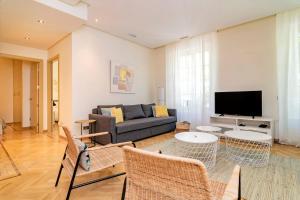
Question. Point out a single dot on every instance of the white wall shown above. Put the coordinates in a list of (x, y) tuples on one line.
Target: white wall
[(6, 89), (92, 51), (159, 71), (26, 67), (22, 51), (63, 49), (247, 61)]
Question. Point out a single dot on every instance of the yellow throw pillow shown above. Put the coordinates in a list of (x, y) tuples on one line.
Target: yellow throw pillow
[(118, 114), (161, 111)]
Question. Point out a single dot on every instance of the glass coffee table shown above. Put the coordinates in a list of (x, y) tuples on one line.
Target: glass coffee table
[(197, 145)]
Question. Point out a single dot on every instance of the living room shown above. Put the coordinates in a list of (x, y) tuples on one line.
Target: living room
[(157, 76)]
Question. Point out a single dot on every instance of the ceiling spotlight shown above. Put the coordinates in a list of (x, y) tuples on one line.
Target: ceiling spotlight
[(41, 21), (96, 20), (184, 37), (132, 35)]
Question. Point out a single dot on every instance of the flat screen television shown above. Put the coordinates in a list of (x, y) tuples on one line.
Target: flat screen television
[(245, 103)]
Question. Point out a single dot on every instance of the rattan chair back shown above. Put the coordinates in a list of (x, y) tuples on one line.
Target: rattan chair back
[(155, 176), (72, 149)]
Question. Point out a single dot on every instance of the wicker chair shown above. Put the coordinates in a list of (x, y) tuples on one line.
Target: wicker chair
[(152, 176), (101, 157)]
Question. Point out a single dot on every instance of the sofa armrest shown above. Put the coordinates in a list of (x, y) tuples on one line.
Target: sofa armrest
[(105, 124), (95, 111), (172, 112)]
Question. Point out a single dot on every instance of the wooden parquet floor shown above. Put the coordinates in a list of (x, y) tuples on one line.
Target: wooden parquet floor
[(38, 158)]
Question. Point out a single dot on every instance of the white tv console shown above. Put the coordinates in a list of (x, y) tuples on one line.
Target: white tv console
[(251, 124)]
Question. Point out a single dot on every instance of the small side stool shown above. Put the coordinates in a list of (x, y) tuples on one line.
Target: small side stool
[(85, 122)]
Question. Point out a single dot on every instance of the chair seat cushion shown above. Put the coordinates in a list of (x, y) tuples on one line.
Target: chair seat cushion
[(136, 124)]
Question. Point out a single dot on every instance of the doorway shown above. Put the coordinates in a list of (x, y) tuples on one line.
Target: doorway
[(20, 81), (53, 88)]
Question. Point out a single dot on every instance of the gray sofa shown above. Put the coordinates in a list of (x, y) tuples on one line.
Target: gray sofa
[(138, 124)]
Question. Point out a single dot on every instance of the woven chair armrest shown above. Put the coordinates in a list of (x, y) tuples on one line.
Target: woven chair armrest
[(90, 135), (111, 145), (232, 188)]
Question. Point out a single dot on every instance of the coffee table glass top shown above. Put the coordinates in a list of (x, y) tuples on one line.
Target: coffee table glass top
[(248, 135), (196, 137)]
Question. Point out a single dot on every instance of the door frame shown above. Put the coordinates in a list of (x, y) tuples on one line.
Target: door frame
[(40, 67), (49, 95)]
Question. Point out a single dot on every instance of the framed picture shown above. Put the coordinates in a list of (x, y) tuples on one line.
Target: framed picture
[(121, 78)]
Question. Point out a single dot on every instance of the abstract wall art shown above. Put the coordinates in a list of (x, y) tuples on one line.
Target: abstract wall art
[(122, 78)]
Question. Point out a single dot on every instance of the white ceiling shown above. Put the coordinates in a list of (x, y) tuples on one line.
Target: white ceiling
[(154, 22), (18, 18), (159, 22)]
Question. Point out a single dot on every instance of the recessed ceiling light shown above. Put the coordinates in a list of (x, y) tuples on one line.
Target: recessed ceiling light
[(184, 37), (96, 20), (41, 21), (27, 37), (132, 35)]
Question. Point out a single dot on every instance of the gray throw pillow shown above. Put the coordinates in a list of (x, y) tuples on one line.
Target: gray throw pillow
[(106, 111), (85, 161), (133, 112), (147, 108), (108, 106)]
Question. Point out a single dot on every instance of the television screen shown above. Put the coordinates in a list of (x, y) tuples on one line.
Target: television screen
[(246, 103)]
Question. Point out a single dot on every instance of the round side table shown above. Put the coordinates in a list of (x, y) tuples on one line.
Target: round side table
[(212, 130), (198, 145), (83, 122), (248, 147)]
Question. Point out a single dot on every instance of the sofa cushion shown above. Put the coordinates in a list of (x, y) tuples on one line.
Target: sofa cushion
[(133, 112), (108, 106), (163, 120), (136, 124), (147, 108)]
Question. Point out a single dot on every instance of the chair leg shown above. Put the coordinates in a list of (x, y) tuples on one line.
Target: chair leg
[(74, 175), (71, 184), (58, 176), (240, 189), (124, 189)]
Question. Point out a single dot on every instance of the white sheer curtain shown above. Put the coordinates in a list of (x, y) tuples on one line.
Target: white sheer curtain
[(190, 72), (288, 70)]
